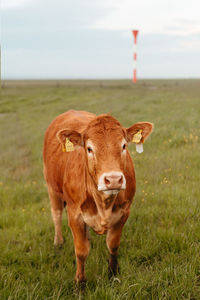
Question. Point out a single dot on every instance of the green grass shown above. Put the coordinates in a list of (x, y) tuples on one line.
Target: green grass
[(159, 254)]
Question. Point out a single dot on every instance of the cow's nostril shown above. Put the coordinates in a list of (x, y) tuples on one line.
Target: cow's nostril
[(107, 181), (121, 180)]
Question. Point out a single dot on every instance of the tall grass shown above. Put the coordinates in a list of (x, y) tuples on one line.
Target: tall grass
[(160, 246)]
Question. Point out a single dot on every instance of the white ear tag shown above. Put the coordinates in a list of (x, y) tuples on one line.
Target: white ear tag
[(139, 148)]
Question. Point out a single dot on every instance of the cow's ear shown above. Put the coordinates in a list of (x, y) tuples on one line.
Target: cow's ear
[(69, 139), (144, 128)]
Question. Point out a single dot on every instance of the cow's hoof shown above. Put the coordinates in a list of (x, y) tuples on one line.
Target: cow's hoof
[(113, 266), (80, 285), (113, 270), (58, 242)]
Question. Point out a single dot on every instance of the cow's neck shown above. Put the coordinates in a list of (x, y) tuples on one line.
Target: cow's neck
[(103, 203)]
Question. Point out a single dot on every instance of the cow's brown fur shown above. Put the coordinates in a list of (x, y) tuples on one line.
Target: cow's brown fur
[(73, 178)]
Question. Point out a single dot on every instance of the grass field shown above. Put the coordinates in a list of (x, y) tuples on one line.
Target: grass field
[(159, 254)]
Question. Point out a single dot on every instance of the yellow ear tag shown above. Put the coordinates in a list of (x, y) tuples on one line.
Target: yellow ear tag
[(137, 137), (68, 146)]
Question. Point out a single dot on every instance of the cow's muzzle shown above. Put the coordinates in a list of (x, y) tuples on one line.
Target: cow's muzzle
[(112, 181)]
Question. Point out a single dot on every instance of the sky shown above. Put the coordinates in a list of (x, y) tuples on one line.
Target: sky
[(92, 39)]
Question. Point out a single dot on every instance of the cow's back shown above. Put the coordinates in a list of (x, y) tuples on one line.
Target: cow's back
[(55, 160)]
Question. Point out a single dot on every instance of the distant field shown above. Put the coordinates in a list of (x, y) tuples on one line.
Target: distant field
[(159, 254)]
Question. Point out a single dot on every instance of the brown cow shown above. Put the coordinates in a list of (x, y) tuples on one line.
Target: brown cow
[(94, 176)]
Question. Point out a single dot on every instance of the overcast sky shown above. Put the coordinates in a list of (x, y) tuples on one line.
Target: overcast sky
[(93, 39)]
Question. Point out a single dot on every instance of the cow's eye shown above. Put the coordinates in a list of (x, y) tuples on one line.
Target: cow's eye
[(124, 147), (89, 149)]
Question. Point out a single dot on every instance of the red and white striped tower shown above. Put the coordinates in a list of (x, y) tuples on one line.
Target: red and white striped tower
[(135, 33)]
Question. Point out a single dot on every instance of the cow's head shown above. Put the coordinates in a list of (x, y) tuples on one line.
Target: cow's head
[(105, 143)]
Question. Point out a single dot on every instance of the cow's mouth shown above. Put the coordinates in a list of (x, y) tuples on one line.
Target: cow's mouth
[(111, 191)]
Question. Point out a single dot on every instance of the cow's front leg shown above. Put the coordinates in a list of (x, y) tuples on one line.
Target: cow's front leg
[(113, 242), (81, 244), (56, 211)]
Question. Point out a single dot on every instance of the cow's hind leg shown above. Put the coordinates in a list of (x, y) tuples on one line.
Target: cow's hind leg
[(113, 242), (56, 211), (81, 243)]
